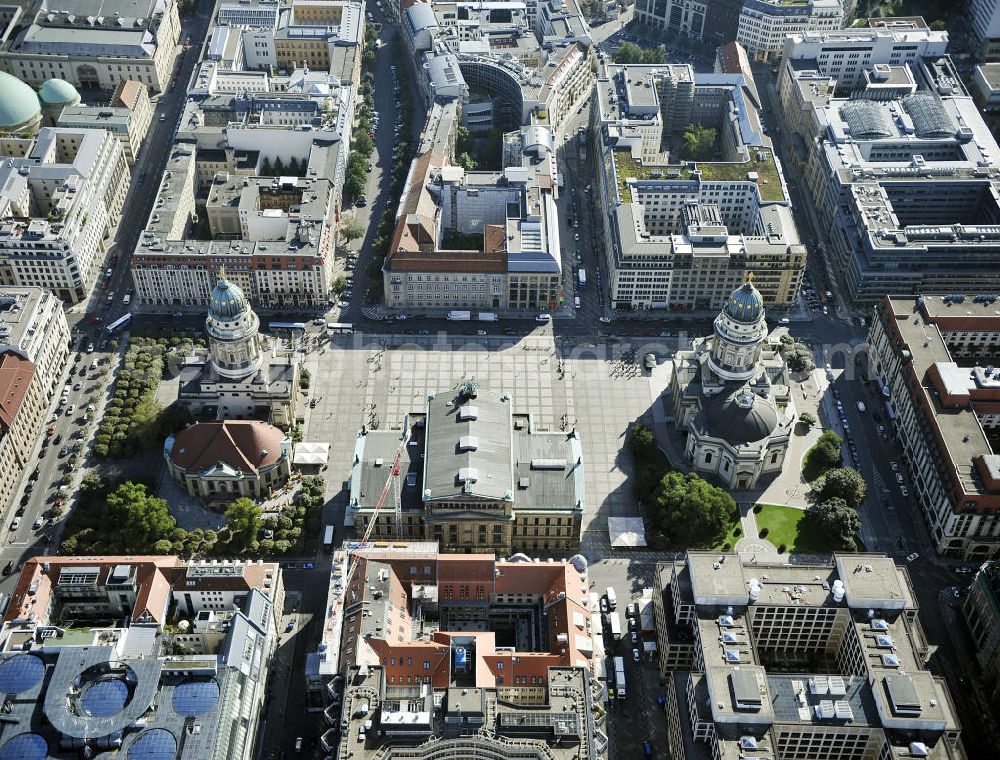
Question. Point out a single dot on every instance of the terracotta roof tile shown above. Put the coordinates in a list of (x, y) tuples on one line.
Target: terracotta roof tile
[(16, 374), (245, 445)]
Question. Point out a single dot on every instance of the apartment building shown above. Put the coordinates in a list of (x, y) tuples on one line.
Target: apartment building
[(681, 234), (33, 325), (93, 630), (254, 177), (443, 639), (62, 197), (764, 24), (473, 476), (903, 173), (686, 18), (797, 662), (933, 359), (22, 413), (92, 44)]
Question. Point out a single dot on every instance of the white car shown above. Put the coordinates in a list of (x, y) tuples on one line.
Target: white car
[(127, 299), (911, 557), (899, 478), (635, 655), (543, 318), (894, 466), (70, 410), (604, 605), (604, 320)]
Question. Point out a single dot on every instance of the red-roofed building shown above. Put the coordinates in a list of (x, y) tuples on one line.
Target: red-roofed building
[(22, 404), (465, 621), (139, 588), (233, 457)]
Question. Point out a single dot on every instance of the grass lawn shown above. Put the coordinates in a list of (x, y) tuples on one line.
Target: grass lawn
[(730, 538), (789, 526)]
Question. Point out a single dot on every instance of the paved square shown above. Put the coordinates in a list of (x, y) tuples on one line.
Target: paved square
[(361, 384)]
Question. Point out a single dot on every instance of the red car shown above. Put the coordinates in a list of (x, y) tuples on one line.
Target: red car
[(51, 430)]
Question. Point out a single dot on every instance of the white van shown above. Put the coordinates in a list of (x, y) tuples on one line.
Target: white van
[(576, 301)]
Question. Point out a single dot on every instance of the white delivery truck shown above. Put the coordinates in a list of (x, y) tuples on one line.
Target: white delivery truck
[(581, 277), (459, 316), (616, 625), (488, 316), (612, 599)]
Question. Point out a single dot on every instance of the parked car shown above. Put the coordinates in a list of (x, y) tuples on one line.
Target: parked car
[(635, 655)]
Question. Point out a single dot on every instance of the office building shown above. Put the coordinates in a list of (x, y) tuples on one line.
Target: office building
[(22, 409), (61, 196), (986, 83), (985, 22), (933, 361), (89, 666), (764, 24), (33, 325), (681, 234), (732, 397), (816, 66), (470, 656), (474, 475), (92, 43), (816, 661), (903, 176)]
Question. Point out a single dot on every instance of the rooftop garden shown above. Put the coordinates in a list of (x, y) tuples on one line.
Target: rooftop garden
[(768, 180)]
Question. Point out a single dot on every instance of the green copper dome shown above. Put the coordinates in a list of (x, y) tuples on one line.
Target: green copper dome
[(745, 304), (58, 92), (227, 301), (18, 103)]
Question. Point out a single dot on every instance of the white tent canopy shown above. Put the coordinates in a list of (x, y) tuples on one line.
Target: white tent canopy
[(311, 453), (626, 531)]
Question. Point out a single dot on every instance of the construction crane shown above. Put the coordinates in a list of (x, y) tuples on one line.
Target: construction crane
[(392, 481)]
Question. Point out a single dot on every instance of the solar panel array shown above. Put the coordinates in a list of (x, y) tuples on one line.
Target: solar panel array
[(20, 673), (195, 697), (104, 698), (154, 744), (25, 747)]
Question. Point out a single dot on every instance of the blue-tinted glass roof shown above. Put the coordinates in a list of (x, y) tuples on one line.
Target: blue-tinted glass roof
[(195, 696), (104, 698), (20, 673), (25, 747), (155, 744)]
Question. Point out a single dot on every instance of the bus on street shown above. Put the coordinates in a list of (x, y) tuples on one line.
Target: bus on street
[(118, 324), (339, 328)]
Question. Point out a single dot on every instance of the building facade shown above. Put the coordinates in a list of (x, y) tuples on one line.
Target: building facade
[(22, 408), (94, 46), (933, 361), (62, 198), (33, 325), (764, 24), (985, 21), (981, 608), (473, 476)]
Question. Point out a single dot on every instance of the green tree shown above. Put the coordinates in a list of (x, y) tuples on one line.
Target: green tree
[(827, 451), (363, 143), (807, 418), (691, 511), (698, 143), (136, 520), (466, 161), (350, 228), (799, 358), (939, 25), (243, 521), (843, 483), (838, 522)]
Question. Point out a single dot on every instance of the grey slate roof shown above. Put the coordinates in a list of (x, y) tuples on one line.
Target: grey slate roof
[(483, 468)]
